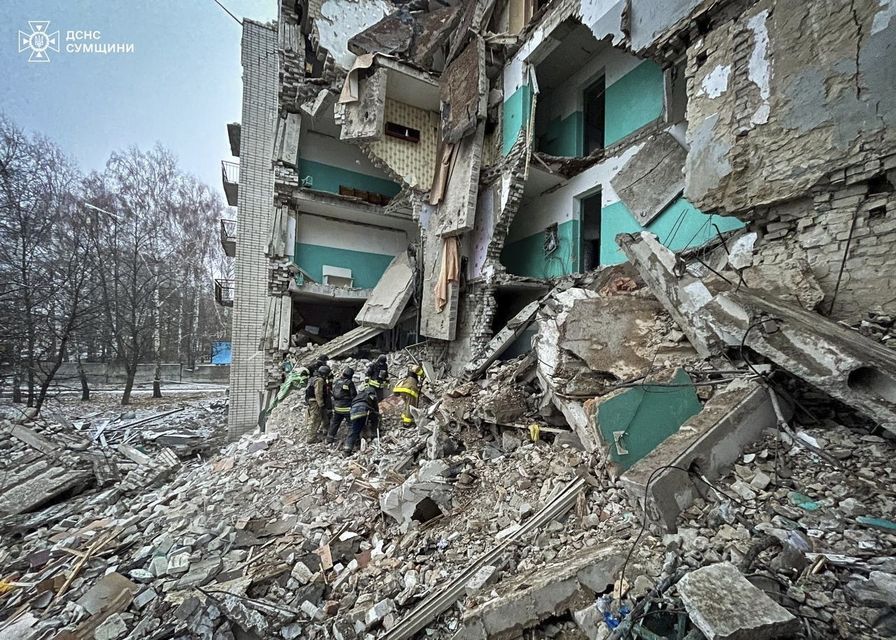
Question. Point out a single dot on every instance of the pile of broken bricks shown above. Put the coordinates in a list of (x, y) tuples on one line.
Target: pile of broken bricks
[(661, 477)]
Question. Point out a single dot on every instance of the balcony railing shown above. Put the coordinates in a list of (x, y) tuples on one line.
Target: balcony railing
[(230, 176), (228, 237), (224, 292)]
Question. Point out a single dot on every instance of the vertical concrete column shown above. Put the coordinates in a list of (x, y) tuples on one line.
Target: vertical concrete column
[(254, 220)]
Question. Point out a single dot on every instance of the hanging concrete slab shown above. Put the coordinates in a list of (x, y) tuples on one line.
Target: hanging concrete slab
[(463, 91), (364, 117), (631, 423), (457, 211), (435, 323), (286, 142), (652, 178), (390, 296)]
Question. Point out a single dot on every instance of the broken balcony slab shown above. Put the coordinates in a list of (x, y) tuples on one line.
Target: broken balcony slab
[(633, 422), (527, 599), (659, 164), (724, 605), (392, 35), (390, 296), (712, 440)]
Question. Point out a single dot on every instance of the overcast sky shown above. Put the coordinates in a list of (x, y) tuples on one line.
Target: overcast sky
[(180, 86)]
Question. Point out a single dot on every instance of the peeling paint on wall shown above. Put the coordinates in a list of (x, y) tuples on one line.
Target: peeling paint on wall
[(715, 83), (760, 68)]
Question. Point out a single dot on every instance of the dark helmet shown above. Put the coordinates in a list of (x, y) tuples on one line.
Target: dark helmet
[(348, 373), (323, 371), (382, 358), (413, 373)]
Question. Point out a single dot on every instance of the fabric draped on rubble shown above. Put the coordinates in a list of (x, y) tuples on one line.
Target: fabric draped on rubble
[(449, 271)]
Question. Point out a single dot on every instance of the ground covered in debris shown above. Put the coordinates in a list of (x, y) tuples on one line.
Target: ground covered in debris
[(473, 530)]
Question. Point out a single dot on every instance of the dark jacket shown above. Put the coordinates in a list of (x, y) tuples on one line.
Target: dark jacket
[(365, 403), (345, 389), (377, 374)]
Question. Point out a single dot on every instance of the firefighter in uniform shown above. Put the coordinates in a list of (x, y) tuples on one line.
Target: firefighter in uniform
[(343, 394), (365, 408), (316, 395), (409, 390), (378, 375)]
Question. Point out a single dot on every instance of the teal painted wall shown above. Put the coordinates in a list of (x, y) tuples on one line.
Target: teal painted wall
[(525, 257), (367, 268), (326, 177), (633, 101), (517, 109), (564, 136), (681, 223), (648, 414)]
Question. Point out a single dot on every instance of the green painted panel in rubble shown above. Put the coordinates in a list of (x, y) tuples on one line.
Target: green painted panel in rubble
[(647, 415)]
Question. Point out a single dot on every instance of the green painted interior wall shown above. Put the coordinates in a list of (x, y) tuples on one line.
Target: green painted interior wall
[(515, 115), (525, 257), (367, 268), (633, 101), (648, 415), (679, 226), (564, 136), (326, 177)]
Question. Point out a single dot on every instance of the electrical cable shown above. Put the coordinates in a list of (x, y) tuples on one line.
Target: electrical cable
[(227, 11)]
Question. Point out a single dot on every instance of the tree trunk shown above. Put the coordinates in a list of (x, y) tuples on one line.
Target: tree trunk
[(85, 389), (157, 345), (17, 388), (194, 324), (131, 371)]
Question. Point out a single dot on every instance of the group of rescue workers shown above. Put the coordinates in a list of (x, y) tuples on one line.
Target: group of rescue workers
[(330, 402)]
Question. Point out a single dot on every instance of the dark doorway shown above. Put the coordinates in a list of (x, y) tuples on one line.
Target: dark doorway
[(591, 231), (594, 108)]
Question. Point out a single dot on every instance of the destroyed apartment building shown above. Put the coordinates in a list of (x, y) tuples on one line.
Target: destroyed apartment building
[(644, 252)]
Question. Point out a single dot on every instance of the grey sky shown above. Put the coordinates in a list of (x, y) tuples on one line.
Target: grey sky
[(180, 86)]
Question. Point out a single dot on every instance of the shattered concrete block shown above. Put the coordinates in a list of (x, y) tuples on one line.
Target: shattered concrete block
[(390, 296), (590, 621), (378, 612), (200, 573), (482, 578), (178, 563), (302, 573), (101, 595), (423, 496), (364, 119), (724, 605), (659, 162), (112, 628), (879, 590), (524, 600)]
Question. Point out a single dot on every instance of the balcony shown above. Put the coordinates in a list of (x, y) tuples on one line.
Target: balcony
[(230, 176), (228, 237), (233, 135), (224, 292)]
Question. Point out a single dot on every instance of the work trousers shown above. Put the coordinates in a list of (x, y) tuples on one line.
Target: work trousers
[(335, 423)]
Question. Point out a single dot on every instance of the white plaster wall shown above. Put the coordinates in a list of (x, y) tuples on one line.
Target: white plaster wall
[(327, 150), (560, 205), (327, 232)]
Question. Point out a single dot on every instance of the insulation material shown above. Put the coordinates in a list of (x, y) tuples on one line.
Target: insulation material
[(390, 296), (652, 178)]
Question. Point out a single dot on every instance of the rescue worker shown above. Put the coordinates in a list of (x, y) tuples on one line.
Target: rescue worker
[(378, 375), (317, 400), (409, 390), (343, 394), (365, 407)]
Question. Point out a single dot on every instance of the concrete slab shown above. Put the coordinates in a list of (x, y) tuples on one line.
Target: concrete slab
[(503, 339), (107, 589), (457, 210), (659, 163), (724, 605), (35, 490), (464, 92), (713, 439), (364, 118), (525, 600), (390, 296), (441, 325)]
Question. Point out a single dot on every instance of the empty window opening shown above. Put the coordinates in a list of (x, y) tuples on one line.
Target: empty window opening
[(426, 510), (590, 217), (594, 104), (402, 132), (873, 382)]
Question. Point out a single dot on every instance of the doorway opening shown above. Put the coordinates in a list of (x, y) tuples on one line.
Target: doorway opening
[(594, 107), (590, 217)]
